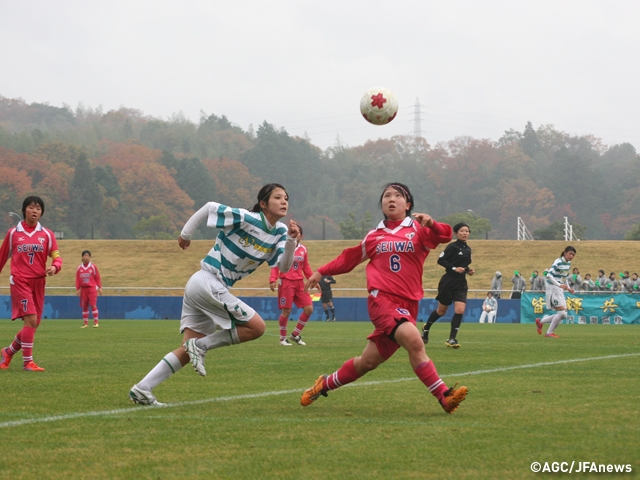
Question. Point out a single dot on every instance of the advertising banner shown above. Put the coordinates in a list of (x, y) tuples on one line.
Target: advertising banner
[(585, 309)]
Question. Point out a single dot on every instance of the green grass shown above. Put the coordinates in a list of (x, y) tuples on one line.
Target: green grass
[(244, 419)]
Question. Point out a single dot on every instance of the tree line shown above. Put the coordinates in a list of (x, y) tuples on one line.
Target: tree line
[(121, 174)]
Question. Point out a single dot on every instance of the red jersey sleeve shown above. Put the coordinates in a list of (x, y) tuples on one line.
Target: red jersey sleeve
[(98, 280), (349, 259), (436, 234), (275, 273), (5, 249), (78, 284)]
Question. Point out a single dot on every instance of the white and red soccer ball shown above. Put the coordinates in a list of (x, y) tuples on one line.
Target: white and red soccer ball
[(379, 105)]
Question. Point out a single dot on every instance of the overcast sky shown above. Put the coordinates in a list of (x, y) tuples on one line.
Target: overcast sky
[(478, 68)]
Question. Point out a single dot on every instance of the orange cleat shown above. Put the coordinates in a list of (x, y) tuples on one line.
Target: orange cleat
[(538, 326), (310, 395), (5, 359), (551, 335), (453, 398), (32, 367)]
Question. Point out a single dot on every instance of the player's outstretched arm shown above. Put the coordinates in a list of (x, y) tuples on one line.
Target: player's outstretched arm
[(313, 281)]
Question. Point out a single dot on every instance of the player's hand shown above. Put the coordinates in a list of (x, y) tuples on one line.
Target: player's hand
[(273, 286), (572, 290), (312, 282), (423, 219), (293, 230), (78, 292), (471, 271), (100, 291), (184, 244), (52, 270)]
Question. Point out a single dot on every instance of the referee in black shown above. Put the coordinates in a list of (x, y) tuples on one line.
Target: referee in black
[(453, 287)]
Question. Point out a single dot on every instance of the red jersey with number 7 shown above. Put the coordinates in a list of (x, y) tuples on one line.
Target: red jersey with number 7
[(29, 247), (396, 252)]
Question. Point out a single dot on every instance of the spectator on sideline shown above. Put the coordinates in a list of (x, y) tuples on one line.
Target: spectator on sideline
[(588, 285), (575, 280), (536, 282), (88, 287), (28, 244), (489, 309), (601, 281), (519, 285), (496, 285)]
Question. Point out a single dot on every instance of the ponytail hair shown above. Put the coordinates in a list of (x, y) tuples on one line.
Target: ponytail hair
[(264, 194)]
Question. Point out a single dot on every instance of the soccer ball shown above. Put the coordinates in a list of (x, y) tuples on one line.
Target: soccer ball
[(379, 105)]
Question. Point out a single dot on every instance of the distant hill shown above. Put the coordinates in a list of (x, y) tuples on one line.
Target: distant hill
[(161, 264)]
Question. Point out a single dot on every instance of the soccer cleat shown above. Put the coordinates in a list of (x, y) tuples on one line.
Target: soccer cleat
[(452, 343), (297, 339), (6, 358), (95, 325), (84, 326), (425, 334), (538, 326), (453, 398), (285, 343), (32, 367), (551, 335), (196, 355), (143, 397), (310, 395)]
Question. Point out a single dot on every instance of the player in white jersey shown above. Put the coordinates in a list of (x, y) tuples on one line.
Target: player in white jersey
[(555, 287), (211, 316)]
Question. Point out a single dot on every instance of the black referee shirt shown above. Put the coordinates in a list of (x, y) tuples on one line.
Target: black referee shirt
[(457, 254)]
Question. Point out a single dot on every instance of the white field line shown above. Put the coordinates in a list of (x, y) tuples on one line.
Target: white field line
[(119, 411)]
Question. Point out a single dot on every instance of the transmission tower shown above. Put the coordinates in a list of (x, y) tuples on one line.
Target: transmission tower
[(417, 119)]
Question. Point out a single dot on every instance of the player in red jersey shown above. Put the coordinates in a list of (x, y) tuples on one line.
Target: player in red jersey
[(291, 291), (88, 286), (396, 250), (28, 245)]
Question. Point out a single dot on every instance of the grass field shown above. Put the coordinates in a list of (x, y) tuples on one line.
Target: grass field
[(530, 399)]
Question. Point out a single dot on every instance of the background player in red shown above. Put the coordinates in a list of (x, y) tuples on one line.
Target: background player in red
[(396, 250), (291, 292), (88, 286), (28, 244)]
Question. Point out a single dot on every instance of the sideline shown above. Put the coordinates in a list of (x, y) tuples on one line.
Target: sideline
[(119, 411)]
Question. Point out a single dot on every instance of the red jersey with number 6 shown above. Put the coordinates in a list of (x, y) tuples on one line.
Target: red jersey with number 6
[(396, 252)]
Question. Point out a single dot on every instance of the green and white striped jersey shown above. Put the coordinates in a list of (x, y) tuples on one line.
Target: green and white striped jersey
[(246, 240), (559, 271)]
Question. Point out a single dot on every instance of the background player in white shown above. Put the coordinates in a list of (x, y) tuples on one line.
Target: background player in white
[(556, 286), (396, 250), (211, 316), (88, 286), (291, 292)]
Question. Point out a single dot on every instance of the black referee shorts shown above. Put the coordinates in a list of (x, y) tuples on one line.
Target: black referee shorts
[(452, 288)]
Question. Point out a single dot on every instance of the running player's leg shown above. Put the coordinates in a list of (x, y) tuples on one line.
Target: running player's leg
[(409, 338)]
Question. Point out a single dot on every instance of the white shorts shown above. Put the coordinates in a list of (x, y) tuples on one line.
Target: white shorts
[(555, 297), (208, 306)]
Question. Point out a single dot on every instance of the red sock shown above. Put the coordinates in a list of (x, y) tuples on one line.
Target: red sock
[(302, 321), (27, 343), (344, 375), (427, 373), (282, 321), (95, 316), (85, 316), (16, 345)]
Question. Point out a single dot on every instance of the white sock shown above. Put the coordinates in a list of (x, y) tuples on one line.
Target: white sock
[(222, 338), (546, 318), (557, 318), (158, 374)]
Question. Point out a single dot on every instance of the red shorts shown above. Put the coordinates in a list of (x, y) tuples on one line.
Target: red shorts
[(27, 297), (387, 312), (292, 292), (88, 297)]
